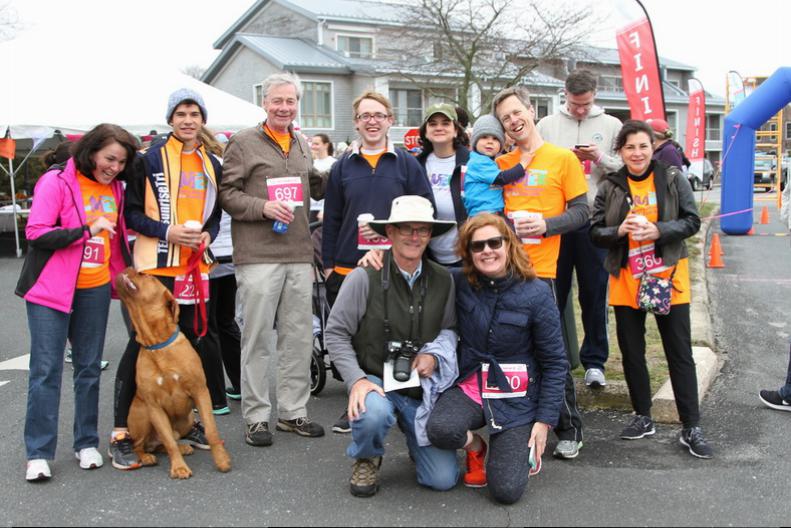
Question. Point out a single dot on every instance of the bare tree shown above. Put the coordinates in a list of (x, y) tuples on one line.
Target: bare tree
[(9, 21), (193, 70), (481, 46)]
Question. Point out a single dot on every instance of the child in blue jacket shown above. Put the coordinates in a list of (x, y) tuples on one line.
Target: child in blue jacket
[(483, 180)]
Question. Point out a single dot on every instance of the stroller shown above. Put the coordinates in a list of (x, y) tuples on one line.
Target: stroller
[(319, 360)]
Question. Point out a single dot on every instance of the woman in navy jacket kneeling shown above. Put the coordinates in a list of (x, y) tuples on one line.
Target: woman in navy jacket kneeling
[(512, 362)]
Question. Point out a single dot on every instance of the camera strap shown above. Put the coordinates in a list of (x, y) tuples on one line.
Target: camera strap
[(385, 278)]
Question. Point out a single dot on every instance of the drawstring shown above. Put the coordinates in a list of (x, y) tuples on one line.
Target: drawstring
[(197, 281)]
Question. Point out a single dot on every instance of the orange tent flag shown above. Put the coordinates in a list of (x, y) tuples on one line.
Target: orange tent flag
[(7, 148)]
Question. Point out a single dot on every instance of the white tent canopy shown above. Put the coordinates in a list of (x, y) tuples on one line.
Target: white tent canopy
[(72, 93)]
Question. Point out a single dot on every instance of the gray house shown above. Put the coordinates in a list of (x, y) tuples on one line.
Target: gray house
[(340, 48)]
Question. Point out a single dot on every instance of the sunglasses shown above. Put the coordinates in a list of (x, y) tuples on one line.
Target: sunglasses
[(494, 243)]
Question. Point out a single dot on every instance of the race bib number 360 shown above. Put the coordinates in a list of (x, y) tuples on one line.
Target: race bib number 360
[(185, 290), (515, 373), (642, 259), (287, 189)]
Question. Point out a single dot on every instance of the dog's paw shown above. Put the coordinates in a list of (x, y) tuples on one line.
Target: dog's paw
[(147, 459), (180, 472), (186, 449), (222, 460)]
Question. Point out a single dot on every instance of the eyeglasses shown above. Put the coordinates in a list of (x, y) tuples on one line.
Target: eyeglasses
[(408, 230), (476, 246), (378, 117)]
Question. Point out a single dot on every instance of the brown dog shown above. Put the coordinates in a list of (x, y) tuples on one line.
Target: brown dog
[(169, 379)]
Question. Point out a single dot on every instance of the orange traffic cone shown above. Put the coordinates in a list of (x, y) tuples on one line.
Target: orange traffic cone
[(715, 253), (751, 232), (764, 215)]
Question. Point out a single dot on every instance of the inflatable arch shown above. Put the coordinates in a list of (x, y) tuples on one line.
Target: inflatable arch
[(739, 148)]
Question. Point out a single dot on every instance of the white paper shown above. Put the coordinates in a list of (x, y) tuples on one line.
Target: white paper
[(392, 384)]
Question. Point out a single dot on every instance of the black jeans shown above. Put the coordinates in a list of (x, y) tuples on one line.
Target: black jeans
[(125, 385), (332, 285), (578, 252), (675, 330), (570, 422), (223, 330), (507, 465)]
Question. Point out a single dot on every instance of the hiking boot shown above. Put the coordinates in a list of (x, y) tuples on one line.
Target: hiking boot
[(475, 477), (692, 438), (639, 427), (342, 425), (365, 477), (233, 394), (594, 378), (302, 426), (37, 470), (89, 458), (567, 449), (121, 452), (196, 437), (257, 434), (773, 400)]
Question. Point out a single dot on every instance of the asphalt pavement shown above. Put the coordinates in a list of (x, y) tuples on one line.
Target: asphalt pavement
[(304, 482)]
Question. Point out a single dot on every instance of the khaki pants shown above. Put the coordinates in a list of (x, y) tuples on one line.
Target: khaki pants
[(269, 293)]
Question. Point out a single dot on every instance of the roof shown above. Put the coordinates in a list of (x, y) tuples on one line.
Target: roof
[(610, 56)]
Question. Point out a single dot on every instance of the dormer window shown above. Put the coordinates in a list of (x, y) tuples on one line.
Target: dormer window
[(357, 47)]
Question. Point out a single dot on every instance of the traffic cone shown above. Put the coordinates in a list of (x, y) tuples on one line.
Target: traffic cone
[(715, 253), (764, 215), (751, 232)]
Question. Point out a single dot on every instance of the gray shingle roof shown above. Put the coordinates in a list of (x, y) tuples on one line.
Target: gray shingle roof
[(610, 56), (352, 10), (293, 52)]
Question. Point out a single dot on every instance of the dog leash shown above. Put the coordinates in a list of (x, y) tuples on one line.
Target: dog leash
[(197, 280)]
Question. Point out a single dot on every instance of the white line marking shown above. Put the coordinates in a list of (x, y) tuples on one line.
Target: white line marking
[(18, 363), (3, 383)]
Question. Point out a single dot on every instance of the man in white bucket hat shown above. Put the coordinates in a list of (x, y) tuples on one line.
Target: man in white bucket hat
[(401, 317)]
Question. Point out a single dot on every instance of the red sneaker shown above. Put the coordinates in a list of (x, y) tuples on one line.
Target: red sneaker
[(475, 477)]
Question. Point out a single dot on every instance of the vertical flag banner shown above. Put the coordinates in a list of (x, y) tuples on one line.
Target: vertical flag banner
[(736, 89), (696, 127), (642, 80), (7, 148)]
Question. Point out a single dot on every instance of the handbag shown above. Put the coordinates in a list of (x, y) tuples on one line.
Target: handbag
[(655, 293)]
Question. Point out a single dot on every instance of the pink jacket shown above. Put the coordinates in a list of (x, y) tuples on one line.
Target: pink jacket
[(56, 233)]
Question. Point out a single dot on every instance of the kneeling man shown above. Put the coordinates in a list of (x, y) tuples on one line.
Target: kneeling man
[(404, 315)]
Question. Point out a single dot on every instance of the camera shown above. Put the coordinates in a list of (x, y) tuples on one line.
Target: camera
[(402, 353)]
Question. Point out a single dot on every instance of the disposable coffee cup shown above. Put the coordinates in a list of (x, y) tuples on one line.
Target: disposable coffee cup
[(363, 243), (518, 215), (364, 219), (639, 219), (193, 225)]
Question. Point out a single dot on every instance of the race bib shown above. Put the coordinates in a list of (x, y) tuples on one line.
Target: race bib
[(93, 254), (287, 189), (186, 292), (515, 373), (378, 243), (642, 259)]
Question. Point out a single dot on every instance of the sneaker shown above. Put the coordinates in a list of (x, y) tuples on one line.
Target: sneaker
[(196, 437), (594, 378), (220, 410), (257, 434), (67, 355), (693, 439), (342, 425), (773, 400), (89, 458), (233, 394), (104, 364), (475, 477), (567, 449), (365, 477), (639, 427), (121, 452), (37, 470), (302, 426)]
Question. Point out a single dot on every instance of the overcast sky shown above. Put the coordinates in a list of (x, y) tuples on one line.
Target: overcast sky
[(713, 36)]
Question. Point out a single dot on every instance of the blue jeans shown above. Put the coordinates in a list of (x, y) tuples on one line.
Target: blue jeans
[(785, 390), (578, 252), (436, 468), (85, 327)]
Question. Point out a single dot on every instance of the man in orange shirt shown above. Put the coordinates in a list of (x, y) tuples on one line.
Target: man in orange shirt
[(550, 200)]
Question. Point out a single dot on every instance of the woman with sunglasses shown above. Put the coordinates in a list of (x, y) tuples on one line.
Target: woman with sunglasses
[(642, 215), (512, 362)]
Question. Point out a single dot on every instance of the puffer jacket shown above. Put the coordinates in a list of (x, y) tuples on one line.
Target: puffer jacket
[(510, 320), (57, 231), (678, 215)]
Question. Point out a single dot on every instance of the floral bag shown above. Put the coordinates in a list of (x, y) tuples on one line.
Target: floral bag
[(654, 293)]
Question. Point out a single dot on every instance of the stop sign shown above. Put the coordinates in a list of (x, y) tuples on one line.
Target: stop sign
[(412, 138)]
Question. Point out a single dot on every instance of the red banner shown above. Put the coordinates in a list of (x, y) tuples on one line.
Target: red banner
[(696, 122), (7, 148), (640, 70)]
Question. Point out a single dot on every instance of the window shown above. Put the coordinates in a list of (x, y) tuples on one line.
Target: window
[(407, 107), (672, 121), (610, 83), (258, 94), (316, 105), (788, 131), (541, 106), (713, 128), (359, 47)]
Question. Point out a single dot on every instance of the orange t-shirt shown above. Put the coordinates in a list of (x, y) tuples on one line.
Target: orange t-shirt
[(553, 177), (372, 158), (623, 289), (98, 200), (191, 199), (284, 140)]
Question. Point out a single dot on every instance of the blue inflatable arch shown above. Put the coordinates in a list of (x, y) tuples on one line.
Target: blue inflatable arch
[(739, 148)]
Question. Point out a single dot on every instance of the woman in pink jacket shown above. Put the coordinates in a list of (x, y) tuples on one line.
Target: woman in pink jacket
[(77, 244)]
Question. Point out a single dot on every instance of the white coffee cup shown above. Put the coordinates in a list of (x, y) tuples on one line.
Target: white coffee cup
[(364, 219), (193, 225), (516, 216), (639, 219)]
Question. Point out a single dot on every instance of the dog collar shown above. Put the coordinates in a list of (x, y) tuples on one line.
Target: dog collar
[(160, 346)]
